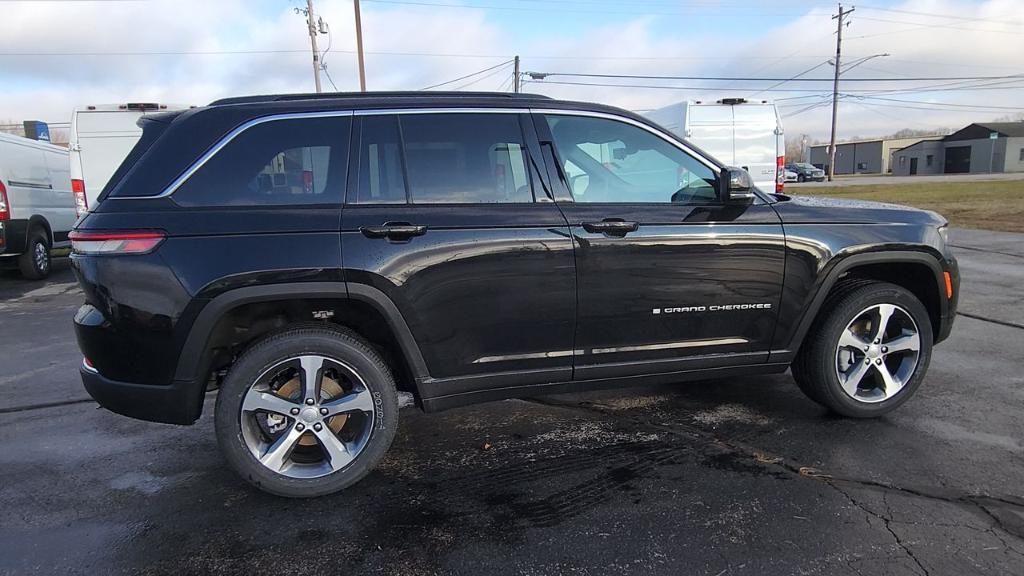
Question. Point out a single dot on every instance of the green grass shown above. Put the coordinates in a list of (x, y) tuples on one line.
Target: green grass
[(985, 205)]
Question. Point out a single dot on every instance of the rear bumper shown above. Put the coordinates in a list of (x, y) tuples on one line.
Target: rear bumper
[(178, 403)]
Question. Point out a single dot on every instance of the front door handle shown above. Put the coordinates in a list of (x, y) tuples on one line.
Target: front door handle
[(611, 227), (394, 231)]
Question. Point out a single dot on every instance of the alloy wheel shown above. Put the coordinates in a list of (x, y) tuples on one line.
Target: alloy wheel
[(42, 257), (877, 353), (307, 417)]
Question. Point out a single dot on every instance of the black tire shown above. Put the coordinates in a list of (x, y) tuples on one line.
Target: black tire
[(801, 178), (338, 344), (35, 262), (815, 368)]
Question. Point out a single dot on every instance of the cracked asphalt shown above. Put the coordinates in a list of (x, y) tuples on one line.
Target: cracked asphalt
[(741, 476)]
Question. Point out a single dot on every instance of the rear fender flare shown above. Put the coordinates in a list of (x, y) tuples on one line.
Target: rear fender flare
[(195, 358)]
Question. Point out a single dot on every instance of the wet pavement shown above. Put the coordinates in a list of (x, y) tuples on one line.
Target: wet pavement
[(743, 476)]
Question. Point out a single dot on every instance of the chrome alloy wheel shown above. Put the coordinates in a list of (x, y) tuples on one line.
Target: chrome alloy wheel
[(307, 416), (877, 353), (41, 255)]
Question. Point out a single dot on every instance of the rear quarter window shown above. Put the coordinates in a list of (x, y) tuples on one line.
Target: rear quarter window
[(278, 162)]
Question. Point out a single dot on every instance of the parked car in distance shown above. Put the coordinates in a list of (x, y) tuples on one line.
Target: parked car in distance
[(37, 209), (308, 255), (101, 137), (790, 176), (735, 131), (806, 172)]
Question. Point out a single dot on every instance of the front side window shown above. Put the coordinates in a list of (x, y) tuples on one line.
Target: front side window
[(279, 162), (611, 161), (465, 159)]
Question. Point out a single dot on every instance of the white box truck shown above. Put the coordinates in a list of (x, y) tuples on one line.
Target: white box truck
[(735, 131), (101, 137)]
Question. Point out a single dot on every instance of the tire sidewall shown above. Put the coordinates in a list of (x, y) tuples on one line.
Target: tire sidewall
[(835, 397), (269, 352)]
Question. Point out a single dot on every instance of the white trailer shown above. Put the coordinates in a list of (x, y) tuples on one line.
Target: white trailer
[(736, 132), (101, 137)]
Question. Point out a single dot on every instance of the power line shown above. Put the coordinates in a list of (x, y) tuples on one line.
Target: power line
[(959, 17), (483, 77), (944, 104), (505, 63), (941, 25), (544, 75), (776, 85)]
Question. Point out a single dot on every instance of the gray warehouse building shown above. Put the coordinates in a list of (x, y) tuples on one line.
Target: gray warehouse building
[(862, 156), (978, 148)]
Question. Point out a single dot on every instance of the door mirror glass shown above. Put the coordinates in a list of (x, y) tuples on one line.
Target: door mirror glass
[(740, 185)]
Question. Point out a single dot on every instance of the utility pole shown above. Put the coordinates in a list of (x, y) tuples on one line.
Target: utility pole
[(311, 23), (359, 47), (515, 75), (841, 18)]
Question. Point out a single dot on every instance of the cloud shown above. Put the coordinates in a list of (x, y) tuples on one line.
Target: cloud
[(986, 41)]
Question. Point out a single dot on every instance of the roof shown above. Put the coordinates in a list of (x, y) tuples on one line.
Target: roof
[(410, 95), (913, 139), (22, 141), (980, 130)]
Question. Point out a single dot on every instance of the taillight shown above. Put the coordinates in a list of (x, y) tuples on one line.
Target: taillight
[(5, 208), (81, 202), (138, 242), (780, 173)]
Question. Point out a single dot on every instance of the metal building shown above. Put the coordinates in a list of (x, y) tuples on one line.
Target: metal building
[(862, 156), (978, 148)]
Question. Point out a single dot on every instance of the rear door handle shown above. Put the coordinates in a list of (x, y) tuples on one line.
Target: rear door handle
[(611, 227), (394, 231)]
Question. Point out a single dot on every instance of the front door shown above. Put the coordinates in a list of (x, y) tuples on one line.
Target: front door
[(670, 277), (445, 215), (913, 166)]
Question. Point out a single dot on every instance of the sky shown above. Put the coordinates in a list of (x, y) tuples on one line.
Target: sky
[(56, 55)]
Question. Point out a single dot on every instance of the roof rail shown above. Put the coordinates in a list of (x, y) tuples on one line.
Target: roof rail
[(359, 95)]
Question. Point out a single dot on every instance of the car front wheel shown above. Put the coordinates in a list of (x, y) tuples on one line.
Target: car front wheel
[(34, 263), (307, 412), (868, 352)]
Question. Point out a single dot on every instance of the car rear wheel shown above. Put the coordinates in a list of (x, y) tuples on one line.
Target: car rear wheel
[(801, 178), (868, 353), (307, 412)]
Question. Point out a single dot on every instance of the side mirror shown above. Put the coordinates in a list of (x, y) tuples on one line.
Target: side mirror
[(739, 186)]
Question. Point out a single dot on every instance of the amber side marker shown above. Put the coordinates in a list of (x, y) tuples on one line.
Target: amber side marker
[(949, 285)]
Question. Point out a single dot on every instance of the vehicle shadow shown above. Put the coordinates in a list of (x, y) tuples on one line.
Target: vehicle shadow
[(13, 285)]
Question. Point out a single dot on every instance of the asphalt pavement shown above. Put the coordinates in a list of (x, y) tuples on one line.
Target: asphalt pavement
[(741, 476)]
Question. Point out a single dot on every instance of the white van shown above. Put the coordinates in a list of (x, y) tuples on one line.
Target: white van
[(101, 137), (734, 131), (37, 207)]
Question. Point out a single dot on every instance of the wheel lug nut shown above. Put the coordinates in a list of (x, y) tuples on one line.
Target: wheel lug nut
[(867, 348), (300, 427), (884, 349), (318, 427), (309, 401), (323, 411), (867, 360), (878, 341), (879, 361), (295, 411)]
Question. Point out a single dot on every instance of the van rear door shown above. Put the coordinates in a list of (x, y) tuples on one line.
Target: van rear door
[(755, 141)]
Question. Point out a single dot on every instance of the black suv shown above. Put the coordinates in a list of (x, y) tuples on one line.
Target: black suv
[(806, 172), (310, 255)]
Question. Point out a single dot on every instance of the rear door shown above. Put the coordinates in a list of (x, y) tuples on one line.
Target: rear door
[(446, 216), (756, 138), (670, 277), (62, 214)]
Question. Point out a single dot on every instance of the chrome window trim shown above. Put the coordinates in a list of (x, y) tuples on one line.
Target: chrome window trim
[(225, 140)]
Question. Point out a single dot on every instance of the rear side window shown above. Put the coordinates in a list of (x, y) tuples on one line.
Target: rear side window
[(280, 162), (465, 158), (453, 158)]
